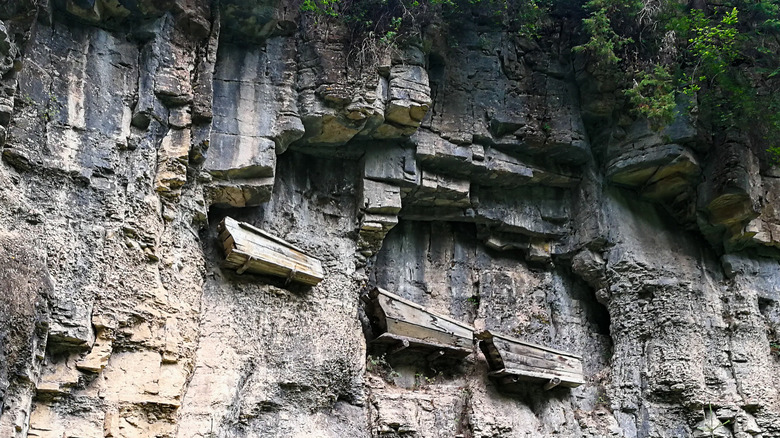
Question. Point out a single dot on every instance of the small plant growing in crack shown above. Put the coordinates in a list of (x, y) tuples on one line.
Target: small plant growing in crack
[(542, 318), (27, 100), (711, 424), (52, 109), (602, 401), (421, 380), (380, 366), (774, 348), (48, 111)]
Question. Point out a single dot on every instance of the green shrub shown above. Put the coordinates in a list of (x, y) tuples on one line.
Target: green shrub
[(653, 95)]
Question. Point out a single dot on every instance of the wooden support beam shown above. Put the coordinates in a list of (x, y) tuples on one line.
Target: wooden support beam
[(555, 381), (245, 266), (291, 276), (404, 345), (435, 355)]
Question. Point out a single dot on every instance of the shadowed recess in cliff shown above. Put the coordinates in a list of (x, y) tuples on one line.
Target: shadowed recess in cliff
[(428, 263)]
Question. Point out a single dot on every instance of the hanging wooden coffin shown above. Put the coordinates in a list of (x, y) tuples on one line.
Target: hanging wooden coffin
[(513, 361), (403, 325), (250, 249)]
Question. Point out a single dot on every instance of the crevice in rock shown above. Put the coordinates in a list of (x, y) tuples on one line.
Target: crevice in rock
[(598, 315)]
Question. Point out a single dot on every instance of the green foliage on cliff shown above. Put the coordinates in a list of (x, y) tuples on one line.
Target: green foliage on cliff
[(606, 26), (653, 95), (725, 57), (321, 7), (388, 19), (710, 45)]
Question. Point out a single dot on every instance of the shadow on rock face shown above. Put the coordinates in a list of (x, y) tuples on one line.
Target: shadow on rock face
[(25, 286)]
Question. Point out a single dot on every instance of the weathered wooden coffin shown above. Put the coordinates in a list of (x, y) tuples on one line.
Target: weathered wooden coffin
[(513, 361), (403, 325), (251, 249)]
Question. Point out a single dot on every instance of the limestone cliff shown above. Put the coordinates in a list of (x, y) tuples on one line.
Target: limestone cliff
[(485, 176)]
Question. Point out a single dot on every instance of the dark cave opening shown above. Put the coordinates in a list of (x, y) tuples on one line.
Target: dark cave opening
[(598, 316), (596, 313)]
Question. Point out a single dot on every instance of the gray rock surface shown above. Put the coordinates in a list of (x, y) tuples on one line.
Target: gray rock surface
[(482, 175)]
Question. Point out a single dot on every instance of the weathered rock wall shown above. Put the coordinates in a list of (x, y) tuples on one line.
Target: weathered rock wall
[(487, 177)]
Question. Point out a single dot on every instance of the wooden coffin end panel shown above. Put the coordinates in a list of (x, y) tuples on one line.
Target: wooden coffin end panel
[(250, 249), (491, 352)]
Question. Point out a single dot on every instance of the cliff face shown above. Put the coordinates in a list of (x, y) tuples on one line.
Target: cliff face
[(481, 175)]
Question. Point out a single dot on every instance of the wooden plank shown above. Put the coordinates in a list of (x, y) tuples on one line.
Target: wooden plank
[(270, 267), (245, 237), (393, 297), (516, 375), (529, 355), (512, 358), (516, 359), (403, 310), (526, 351), (418, 346), (252, 244), (403, 328), (519, 344), (269, 254), (519, 369), (433, 325), (269, 236)]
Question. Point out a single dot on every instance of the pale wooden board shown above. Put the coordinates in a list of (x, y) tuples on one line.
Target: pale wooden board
[(237, 259), (428, 334), (515, 358), (270, 254), (515, 353), (520, 343), (531, 373), (245, 240), (511, 358), (404, 310), (417, 345)]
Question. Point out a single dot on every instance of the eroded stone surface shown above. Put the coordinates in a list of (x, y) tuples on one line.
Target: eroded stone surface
[(488, 180)]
